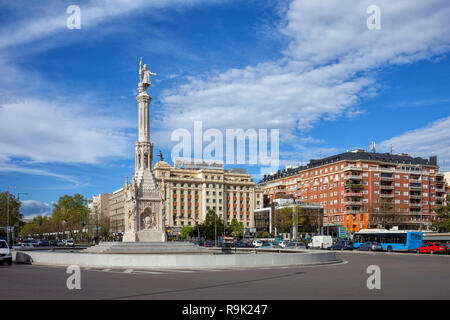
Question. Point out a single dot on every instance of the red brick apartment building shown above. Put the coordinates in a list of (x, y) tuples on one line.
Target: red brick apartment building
[(360, 189)]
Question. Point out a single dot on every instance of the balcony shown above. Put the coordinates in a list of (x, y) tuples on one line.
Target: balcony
[(414, 196), (386, 195), (440, 190), (386, 187), (353, 186), (387, 178), (353, 194), (352, 203), (415, 205), (353, 177), (352, 168), (418, 188), (353, 211)]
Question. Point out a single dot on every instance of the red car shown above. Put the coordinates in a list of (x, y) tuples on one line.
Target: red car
[(432, 247)]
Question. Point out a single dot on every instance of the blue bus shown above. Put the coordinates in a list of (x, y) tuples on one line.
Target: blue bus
[(390, 240)]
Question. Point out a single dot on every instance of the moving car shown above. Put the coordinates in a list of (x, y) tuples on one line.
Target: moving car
[(370, 246), (342, 245), (5, 253), (432, 247)]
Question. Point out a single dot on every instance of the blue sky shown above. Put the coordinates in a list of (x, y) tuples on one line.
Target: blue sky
[(312, 69)]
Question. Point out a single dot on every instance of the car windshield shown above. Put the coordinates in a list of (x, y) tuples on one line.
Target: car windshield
[(3, 244)]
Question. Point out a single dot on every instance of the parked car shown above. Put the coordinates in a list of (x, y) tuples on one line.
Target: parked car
[(321, 242), (370, 246), (432, 247), (43, 243), (447, 246), (5, 253), (295, 245), (268, 245), (342, 245), (70, 243), (60, 243), (257, 243), (53, 243), (208, 243), (283, 244)]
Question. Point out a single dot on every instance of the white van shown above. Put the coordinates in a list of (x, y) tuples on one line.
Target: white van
[(5, 253), (321, 242)]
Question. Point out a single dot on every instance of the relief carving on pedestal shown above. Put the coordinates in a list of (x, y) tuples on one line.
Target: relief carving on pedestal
[(148, 219)]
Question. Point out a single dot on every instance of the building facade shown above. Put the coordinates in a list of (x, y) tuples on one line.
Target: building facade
[(116, 212), (190, 193), (361, 189)]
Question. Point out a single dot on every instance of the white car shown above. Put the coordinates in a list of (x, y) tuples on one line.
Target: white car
[(257, 243), (5, 253), (283, 244), (70, 243)]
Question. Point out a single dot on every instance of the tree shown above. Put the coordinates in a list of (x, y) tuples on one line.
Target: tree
[(37, 226), (237, 228), (211, 225), (443, 221), (265, 234), (69, 212), (186, 231), (284, 219), (15, 217)]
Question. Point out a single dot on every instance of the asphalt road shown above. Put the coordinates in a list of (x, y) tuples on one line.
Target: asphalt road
[(403, 276)]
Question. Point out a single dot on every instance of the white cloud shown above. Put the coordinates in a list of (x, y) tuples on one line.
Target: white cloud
[(329, 65), (58, 131), (7, 167), (424, 142), (34, 208), (49, 18)]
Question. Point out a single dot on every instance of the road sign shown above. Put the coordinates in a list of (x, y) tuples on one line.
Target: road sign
[(342, 232)]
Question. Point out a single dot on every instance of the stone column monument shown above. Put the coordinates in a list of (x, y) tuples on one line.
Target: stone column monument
[(144, 200)]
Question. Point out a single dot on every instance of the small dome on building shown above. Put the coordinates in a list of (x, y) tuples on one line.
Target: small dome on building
[(162, 164)]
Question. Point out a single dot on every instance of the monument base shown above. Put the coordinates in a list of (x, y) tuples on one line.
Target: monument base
[(145, 236), (129, 236)]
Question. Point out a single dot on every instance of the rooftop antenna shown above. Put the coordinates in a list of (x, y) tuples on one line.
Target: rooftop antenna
[(372, 147)]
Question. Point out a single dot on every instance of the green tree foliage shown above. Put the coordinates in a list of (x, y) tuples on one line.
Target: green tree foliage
[(265, 234), (69, 212), (186, 231), (207, 228), (37, 226), (443, 212), (285, 218), (15, 217), (237, 228)]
